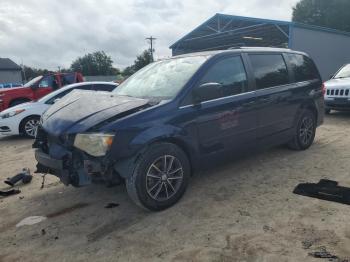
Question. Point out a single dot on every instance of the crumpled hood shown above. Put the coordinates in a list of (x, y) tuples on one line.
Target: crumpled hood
[(339, 82), (81, 110)]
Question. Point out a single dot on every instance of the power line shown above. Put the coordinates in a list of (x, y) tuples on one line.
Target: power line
[(151, 39)]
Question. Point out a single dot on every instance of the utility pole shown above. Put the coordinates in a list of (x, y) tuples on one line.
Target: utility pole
[(151, 39), (24, 72)]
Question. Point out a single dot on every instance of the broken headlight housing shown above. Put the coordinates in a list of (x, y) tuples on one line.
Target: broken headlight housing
[(95, 144)]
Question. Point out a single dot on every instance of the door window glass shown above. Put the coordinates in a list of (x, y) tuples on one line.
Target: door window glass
[(230, 73), (46, 81), (269, 70)]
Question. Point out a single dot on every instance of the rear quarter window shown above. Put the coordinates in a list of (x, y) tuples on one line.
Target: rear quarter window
[(270, 70), (303, 67)]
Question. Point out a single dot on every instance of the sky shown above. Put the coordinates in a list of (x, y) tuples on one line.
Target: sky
[(52, 33)]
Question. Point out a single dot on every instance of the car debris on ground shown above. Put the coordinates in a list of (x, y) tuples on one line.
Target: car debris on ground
[(326, 190), (23, 176), (5, 193), (112, 205)]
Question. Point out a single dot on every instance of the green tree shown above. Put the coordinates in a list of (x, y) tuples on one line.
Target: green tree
[(326, 13), (141, 61), (97, 63), (128, 71), (29, 73)]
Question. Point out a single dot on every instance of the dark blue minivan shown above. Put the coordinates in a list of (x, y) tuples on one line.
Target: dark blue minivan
[(159, 125)]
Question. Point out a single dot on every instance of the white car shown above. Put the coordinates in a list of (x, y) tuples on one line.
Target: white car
[(337, 91), (24, 118)]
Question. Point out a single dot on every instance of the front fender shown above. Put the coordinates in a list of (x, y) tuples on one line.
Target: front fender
[(183, 138), (141, 141), (155, 133)]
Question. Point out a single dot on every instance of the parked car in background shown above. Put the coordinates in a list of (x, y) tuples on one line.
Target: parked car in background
[(337, 96), (24, 118), (36, 88), (10, 85), (172, 116)]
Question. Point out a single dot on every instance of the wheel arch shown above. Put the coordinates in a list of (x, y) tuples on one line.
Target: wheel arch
[(125, 167), (181, 144), (309, 105), (21, 124)]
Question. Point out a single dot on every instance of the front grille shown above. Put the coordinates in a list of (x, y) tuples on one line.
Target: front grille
[(44, 140), (341, 92)]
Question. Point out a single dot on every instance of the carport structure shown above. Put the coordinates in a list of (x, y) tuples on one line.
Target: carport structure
[(328, 47)]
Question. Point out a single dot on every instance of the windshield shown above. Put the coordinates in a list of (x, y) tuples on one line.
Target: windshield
[(53, 94), (344, 72), (161, 80), (33, 81)]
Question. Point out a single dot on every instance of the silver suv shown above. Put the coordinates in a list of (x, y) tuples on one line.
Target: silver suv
[(337, 90)]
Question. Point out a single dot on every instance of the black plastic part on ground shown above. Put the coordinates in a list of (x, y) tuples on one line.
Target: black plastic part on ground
[(9, 192), (111, 205), (326, 190), (25, 176)]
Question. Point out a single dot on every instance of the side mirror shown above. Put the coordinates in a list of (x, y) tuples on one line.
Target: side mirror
[(34, 87), (206, 91)]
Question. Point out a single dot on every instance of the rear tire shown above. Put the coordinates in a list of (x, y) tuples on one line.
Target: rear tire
[(160, 177), (29, 125), (305, 131)]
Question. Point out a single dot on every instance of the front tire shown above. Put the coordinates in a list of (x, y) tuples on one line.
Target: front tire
[(160, 177), (327, 111), (305, 131), (29, 126)]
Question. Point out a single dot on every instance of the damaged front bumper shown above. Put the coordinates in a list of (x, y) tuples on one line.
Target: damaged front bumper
[(63, 169), (58, 156)]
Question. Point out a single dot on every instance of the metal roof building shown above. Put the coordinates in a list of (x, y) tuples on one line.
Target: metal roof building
[(329, 48), (10, 72)]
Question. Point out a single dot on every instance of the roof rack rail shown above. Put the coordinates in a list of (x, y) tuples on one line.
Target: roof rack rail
[(256, 47)]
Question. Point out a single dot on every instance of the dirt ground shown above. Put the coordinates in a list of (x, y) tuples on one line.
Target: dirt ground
[(240, 211)]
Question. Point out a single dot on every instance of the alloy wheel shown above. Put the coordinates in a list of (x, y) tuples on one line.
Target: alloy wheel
[(164, 178), (31, 126), (306, 130)]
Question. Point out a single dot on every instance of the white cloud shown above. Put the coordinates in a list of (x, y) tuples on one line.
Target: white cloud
[(49, 34)]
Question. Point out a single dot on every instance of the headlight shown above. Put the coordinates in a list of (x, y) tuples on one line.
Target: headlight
[(12, 113), (95, 144)]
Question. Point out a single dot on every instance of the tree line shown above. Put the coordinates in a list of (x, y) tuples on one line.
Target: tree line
[(94, 64), (326, 13)]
